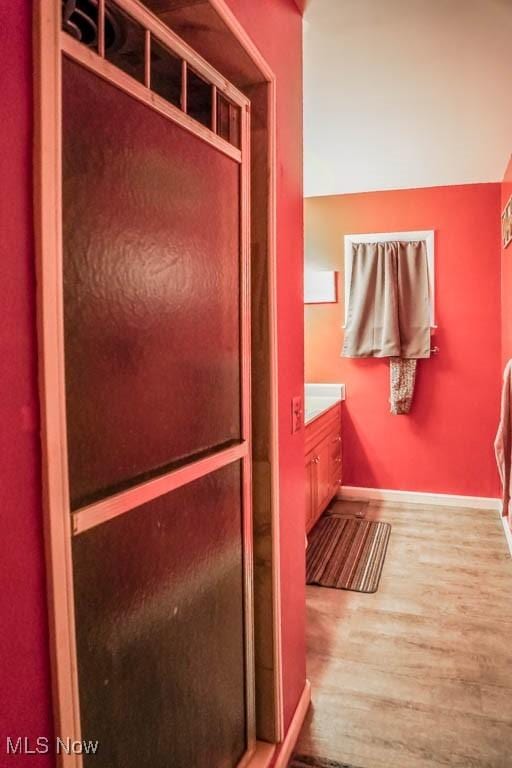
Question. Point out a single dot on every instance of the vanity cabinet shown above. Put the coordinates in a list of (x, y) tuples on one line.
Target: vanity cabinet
[(323, 462)]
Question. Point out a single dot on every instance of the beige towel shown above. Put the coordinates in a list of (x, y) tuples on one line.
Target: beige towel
[(503, 441), (402, 375)]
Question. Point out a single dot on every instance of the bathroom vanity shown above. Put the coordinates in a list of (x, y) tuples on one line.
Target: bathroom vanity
[(323, 447)]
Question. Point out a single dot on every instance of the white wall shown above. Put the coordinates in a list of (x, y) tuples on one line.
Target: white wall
[(406, 93)]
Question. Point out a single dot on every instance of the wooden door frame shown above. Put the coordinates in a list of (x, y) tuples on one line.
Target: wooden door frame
[(60, 525), (267, 199)]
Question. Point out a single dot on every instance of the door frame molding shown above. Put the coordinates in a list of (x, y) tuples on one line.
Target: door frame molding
[(268, 77), (59, 524), (56, 507)]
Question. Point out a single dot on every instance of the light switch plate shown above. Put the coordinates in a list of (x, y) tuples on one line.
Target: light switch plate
[(297, 414)]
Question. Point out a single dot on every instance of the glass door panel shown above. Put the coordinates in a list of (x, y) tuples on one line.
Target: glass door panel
[(159, 615), (151, 247)]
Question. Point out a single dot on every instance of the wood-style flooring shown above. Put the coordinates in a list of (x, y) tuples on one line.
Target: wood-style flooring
[(418, 675)]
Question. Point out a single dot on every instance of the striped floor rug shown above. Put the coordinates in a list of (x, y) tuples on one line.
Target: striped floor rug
[(346, 553), (305, 761)]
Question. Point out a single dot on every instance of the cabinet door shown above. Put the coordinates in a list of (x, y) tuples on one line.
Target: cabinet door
[(323, 476), (335, 462), (311, 489)]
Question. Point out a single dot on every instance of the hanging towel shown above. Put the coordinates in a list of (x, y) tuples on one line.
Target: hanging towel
[(389, 301), (402, 375), (503, 441)]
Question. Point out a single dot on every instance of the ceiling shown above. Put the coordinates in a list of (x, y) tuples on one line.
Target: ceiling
[(406, 93)]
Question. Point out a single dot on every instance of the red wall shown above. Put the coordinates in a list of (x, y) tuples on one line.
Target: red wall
[(276, 28), (25, 706), (25, 702), (445, 445), (506, 278)]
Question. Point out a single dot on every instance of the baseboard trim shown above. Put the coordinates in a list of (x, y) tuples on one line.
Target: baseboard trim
[(353, 493), (262, 756), (288, 744)]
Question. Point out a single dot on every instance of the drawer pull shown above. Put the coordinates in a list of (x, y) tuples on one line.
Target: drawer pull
[(316, 459)]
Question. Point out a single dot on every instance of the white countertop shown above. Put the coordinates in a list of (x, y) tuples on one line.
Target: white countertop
[(318, 398)]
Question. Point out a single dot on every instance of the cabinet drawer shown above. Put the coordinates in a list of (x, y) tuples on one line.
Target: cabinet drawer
[(319, 429)]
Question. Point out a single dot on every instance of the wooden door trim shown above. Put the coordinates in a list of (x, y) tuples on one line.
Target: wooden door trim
[(178, 46), (268, 76), (99, 512), (245, 347), (48, 239), (274, 402), (112, 74)]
